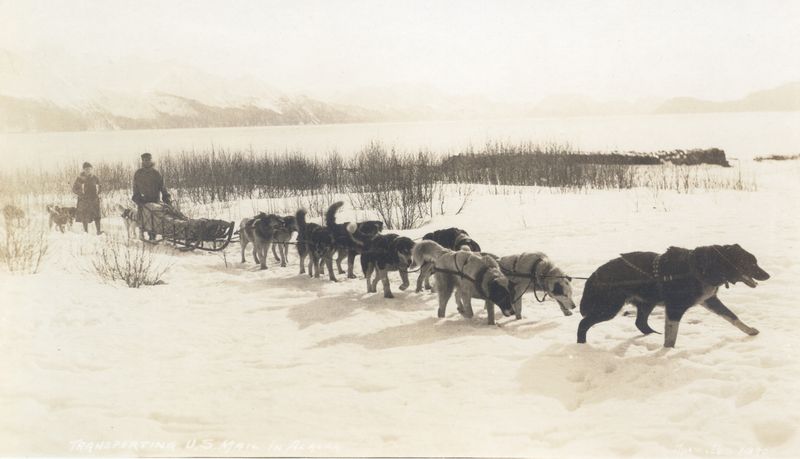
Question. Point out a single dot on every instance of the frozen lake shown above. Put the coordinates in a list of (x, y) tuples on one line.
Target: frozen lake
[(741, 135)]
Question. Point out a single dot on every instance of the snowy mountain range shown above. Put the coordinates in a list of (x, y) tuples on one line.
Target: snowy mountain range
[(56, 92), (141, 95)]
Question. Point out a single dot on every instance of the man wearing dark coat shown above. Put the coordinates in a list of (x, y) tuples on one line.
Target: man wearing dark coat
[(87, 188), (148, 186)]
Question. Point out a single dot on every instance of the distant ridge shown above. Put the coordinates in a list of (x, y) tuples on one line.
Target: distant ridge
[(36, 96), (782, 98)]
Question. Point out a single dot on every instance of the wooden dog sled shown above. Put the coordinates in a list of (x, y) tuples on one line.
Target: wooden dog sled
[(186, 233)]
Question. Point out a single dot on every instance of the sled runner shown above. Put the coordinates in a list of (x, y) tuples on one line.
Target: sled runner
[(173, 226)]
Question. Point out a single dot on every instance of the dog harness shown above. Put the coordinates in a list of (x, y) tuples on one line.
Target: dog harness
[(655, 277), (479, 276)]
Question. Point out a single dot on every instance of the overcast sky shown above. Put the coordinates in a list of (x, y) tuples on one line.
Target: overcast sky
[(502, 49)]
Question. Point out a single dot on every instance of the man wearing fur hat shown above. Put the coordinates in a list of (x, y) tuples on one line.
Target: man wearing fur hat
[(148, 186), (87, 188)]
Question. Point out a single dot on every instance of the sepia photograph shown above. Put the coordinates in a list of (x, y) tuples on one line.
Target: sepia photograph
[(400, 228)]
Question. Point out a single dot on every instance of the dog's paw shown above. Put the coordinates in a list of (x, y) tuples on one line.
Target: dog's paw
[(388, 295), (404, 286), (753, 331), (566, 312)]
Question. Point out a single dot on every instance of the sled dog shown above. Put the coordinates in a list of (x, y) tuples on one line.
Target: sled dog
[(282, 237), (471, 275), (450, 238), (535, 272), (57, 217), (129, 217), (678, 279), (351, 237), (316, 242), (260, 231), (386, 252)]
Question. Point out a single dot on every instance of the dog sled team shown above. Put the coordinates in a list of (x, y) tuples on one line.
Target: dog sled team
[(677, 279)]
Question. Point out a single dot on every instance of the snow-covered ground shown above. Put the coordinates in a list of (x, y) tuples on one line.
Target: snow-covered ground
[(229, 360)]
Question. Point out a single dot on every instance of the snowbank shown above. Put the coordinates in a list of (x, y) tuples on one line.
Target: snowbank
[(232, 361)]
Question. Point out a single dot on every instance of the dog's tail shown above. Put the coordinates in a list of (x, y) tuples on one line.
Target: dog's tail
[(425, 252), (301, 220), (330, 215)]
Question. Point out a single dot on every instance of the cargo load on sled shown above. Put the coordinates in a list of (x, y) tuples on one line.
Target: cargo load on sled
[(191, 233)]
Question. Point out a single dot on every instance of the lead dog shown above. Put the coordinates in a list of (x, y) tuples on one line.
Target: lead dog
[(535, 272), (259, 230), (282, 237), (386, 252), (351, 237), (452, 239), (472, 275), (678, 279)]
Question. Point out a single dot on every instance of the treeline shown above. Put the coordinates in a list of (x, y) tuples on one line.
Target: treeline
[(224, 175)]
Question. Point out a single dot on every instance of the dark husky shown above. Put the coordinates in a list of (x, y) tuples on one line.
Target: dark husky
[(678, 279), (281, 239), (386, 252), (316, 242), (451, 239), (351, 237)]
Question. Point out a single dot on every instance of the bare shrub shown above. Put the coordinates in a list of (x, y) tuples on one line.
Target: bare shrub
[(23, 247), (132, 262), (400, 188)]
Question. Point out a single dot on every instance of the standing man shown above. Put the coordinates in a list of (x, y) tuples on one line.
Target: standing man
[(148, 186), (87, 188)]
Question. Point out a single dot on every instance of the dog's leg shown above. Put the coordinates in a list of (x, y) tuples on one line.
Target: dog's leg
[(302, 262), (313, 267), (643, 311), (490, 311), (716, 306), (424, 271), (351, 260), (404, 278), (264, 253), (445, 290), (329, 262), (466, 304), (275, 252), (244, 248), (590, 321), (673, 319), (518, 308), (256, 243), (340, 254), (387, 289), (374, 284), (284, 251), (368, 276)]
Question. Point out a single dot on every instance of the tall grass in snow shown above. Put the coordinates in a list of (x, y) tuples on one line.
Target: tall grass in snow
[(400, 186)]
